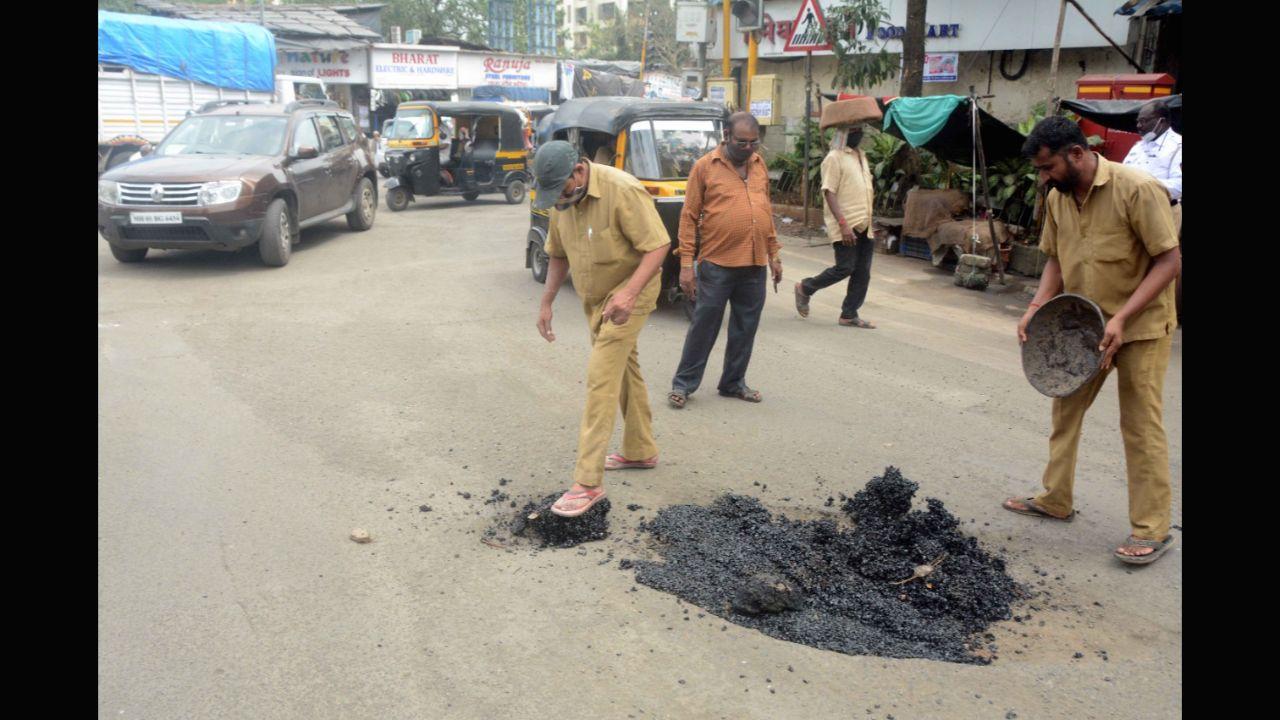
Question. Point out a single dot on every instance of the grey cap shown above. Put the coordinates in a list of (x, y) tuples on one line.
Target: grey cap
[(552, 166)]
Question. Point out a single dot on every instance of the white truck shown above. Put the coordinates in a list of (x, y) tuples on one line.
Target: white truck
[(138, 109)]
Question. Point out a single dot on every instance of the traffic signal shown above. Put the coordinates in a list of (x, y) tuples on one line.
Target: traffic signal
[(750, 14)]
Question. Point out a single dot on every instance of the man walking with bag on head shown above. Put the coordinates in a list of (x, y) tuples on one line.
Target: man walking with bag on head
[(848, 191), (727, 202), (605, 229)]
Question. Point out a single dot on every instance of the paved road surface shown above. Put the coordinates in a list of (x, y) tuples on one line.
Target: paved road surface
[(249, 418)]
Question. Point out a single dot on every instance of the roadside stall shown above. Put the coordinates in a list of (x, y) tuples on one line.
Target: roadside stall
[(939, 224)]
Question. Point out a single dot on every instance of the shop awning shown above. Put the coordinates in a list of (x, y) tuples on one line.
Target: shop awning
[(1123, 114), (499, 93), (1150, 8), (941, 124), (308, 44)]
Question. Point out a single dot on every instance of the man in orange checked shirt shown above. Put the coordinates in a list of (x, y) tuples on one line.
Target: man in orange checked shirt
[(727, 202)]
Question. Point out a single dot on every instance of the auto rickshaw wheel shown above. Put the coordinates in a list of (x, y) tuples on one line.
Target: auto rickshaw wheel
[(471, 196), (538, 262), (397, 199), (515, 192)]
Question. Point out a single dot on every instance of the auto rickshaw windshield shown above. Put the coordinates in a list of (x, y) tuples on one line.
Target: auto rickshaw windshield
[(412, 124), (667, 149)]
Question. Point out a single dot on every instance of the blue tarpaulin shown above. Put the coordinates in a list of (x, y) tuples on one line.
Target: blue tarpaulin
[(236, 56), (498, 93)]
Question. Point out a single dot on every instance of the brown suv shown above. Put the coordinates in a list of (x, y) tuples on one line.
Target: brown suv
[(239, 173)]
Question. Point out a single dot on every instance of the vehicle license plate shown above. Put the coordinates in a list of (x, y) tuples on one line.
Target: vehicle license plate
[(155, 218)]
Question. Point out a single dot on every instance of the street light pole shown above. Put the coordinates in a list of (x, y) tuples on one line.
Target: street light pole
[(644, 41)]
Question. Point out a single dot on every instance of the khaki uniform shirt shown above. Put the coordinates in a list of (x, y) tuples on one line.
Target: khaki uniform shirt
[(605, 236), (846, 173), (1105, 248)]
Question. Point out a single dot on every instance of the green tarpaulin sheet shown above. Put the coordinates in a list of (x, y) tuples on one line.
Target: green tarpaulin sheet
[(919, 119)]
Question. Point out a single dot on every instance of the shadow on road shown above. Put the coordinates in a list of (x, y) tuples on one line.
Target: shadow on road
[(203, 263)]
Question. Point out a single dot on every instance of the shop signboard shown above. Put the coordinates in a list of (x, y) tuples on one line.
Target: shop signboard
[(414, 67), (477, 69), (334, 67)]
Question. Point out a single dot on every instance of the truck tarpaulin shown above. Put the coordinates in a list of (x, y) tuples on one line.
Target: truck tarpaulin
[(229, 55)]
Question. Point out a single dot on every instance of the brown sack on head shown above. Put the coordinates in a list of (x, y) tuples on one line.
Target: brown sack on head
[(850, 112)]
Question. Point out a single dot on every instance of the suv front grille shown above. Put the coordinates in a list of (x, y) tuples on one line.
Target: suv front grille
[(176, 233), (175, 194)]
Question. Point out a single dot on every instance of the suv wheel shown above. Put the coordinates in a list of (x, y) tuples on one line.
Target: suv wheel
[(128, 256), (276, 244), (364, 205), (397, 199), (515, 192)]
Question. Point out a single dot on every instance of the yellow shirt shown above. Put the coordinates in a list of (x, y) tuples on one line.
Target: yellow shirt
[(1105, 247), (606, 234), (846, 173)]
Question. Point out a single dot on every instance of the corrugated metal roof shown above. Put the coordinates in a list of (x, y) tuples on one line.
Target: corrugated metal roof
[(281, 20)]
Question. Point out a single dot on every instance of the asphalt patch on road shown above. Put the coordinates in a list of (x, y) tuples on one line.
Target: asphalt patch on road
[(831, 586), (536, 521)]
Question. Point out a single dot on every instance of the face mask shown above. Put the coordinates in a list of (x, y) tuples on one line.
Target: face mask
[(736, 154), (574, 198), (1149, 137)]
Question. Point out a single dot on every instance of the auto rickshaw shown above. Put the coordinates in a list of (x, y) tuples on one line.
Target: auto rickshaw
[(427, 155), (657, 141)]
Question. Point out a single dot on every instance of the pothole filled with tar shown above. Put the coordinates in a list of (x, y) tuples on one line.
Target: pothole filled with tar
[(899, 583), (536, 521)]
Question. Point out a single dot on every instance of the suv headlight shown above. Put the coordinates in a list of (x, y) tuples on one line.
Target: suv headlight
[(222, 191), (108, 192)]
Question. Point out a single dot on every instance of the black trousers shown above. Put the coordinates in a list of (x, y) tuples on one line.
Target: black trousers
[(853, 263), (743, 288)]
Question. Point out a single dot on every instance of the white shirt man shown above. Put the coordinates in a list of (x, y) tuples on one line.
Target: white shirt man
[(1159, 152)]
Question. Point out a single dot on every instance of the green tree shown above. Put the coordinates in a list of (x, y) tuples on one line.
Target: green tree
[(859, 64), (461, 19), (620, 38)]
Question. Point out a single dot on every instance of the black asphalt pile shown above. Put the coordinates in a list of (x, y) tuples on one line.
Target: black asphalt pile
[(535, 520), (837, 588)]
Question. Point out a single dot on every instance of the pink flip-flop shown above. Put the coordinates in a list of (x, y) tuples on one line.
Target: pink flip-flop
[(594, 498), (617, 462)]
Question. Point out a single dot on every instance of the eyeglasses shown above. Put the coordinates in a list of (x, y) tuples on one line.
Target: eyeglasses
[(745, 143)]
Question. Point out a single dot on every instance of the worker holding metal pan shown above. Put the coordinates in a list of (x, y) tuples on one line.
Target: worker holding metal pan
[(1110, 238)]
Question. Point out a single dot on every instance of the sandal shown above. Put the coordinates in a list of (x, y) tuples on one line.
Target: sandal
[(592, 497), (677, 399), (857, 322), (1034, 510), (617, 462), (1157, 549), (744, 393), (802, 301)]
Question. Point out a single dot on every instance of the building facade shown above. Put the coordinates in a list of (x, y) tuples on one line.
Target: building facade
[(580, 15), (1003, 49)]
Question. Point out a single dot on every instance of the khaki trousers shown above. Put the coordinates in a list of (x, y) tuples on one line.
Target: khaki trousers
[(1140, 366), (613, 382)]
